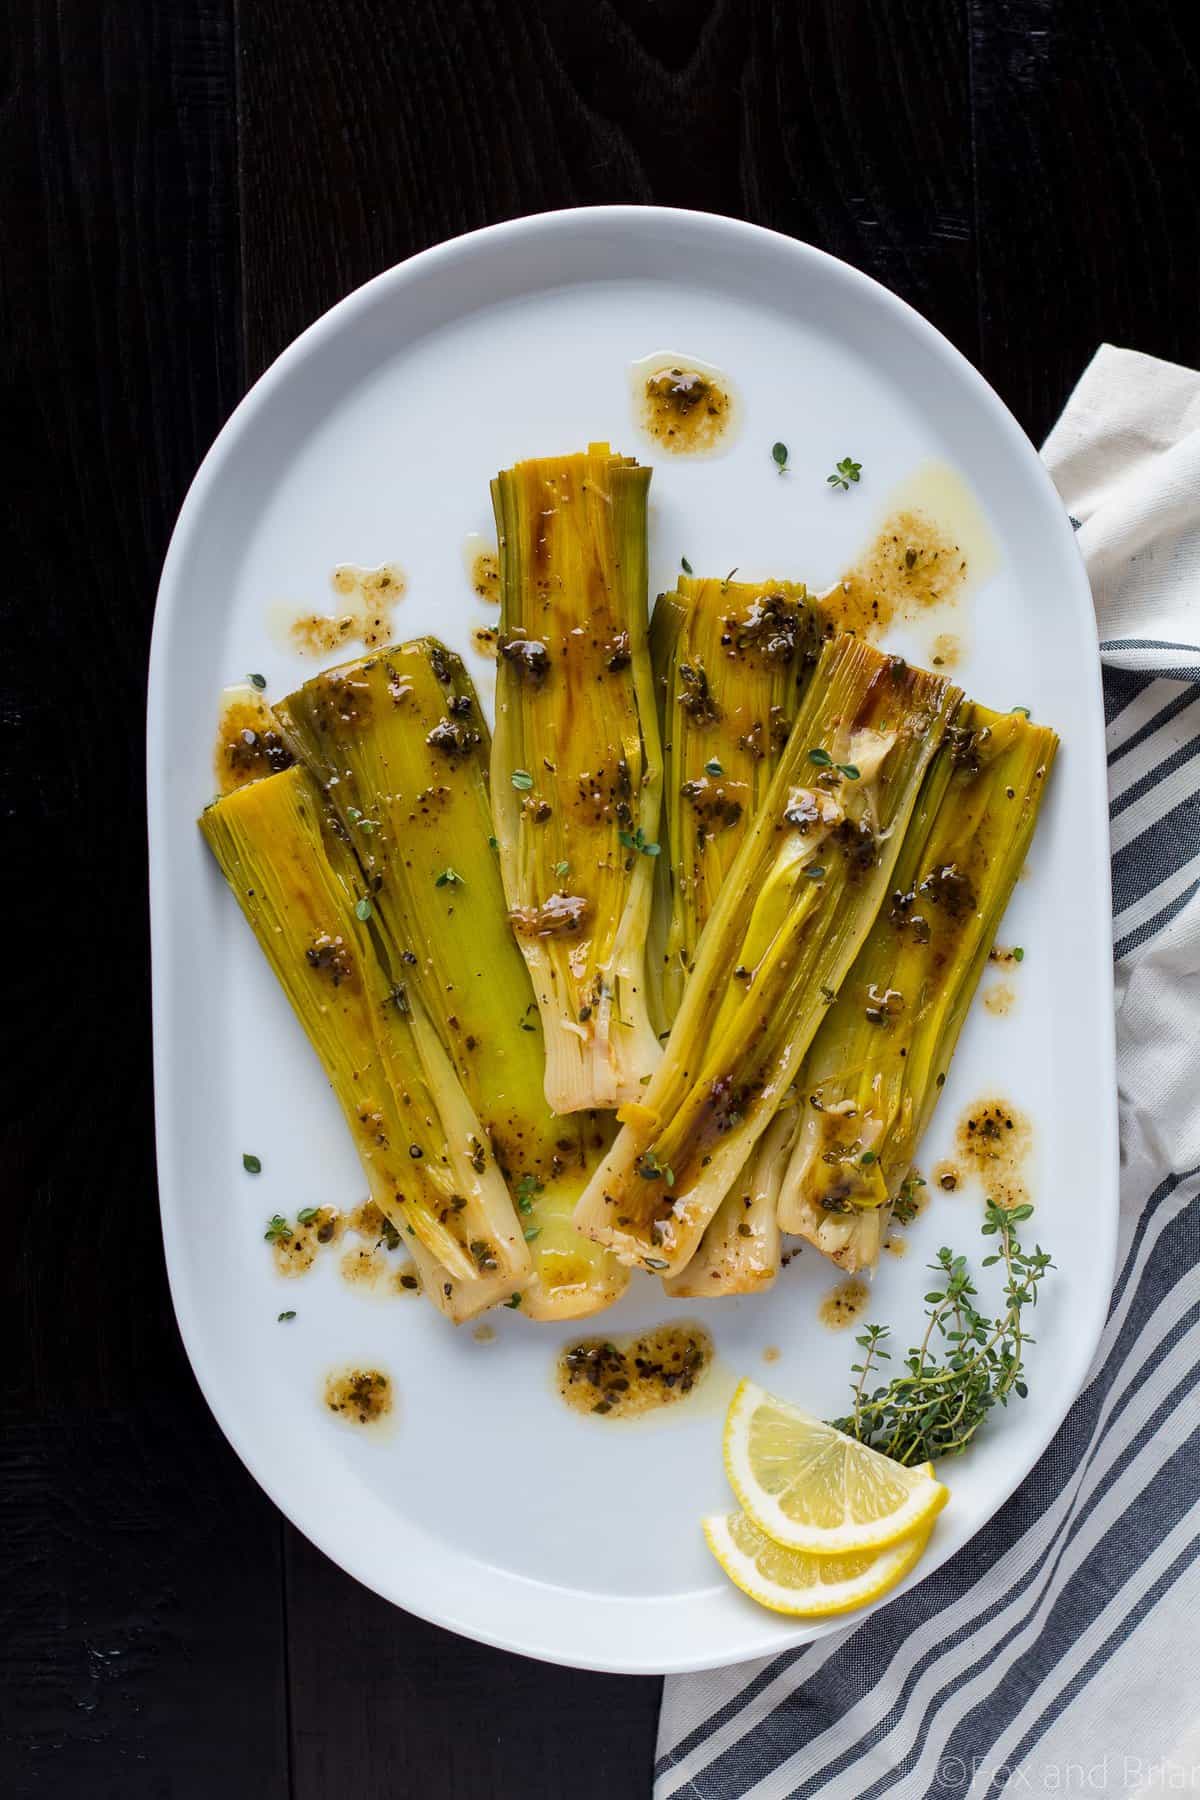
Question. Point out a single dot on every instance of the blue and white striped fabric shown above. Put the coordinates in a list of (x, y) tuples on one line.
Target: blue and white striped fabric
[(1059, 1652)]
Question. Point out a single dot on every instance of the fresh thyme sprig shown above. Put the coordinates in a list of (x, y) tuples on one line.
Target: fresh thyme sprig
[(965, 1364)]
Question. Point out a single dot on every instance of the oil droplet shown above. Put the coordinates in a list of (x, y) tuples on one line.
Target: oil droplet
[(771, 1353), (933, 543), (842, 1305), (484, 639), (659, 1367), (946, 650), (895, 1246), (366, 598), (248, 744), (685, 406), (484, 1334), (482, 563), (360, 1396), (993, 1142), (999, 999), (947, 1177)]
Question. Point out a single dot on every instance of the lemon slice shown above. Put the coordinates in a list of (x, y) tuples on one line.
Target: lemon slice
[(808, 1587), (812, 1488)]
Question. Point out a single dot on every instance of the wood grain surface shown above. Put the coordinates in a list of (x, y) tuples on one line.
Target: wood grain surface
[(188, 184)]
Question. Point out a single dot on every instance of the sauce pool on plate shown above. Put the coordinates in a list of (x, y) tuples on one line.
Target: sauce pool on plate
[(248, 743), (360, 1396), (658, 1367), (843, 1304), (685, 406), (363, 613)]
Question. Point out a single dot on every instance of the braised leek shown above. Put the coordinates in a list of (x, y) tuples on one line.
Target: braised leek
[(400, 747), (576, 765), (872, 1077), (731, 662), (740, 1250), (794, 911), (411, 1122)]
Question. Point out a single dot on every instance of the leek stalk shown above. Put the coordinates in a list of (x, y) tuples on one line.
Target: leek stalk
[(400, 747), (877, 1065), (412, 1125), (731, 663), (576, 765), (795, 908)]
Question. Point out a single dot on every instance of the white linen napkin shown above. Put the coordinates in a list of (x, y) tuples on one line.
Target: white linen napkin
[(1059, 1651)]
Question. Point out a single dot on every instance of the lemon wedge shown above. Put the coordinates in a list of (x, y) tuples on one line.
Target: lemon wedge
[(809, 1587), (811, 1488)]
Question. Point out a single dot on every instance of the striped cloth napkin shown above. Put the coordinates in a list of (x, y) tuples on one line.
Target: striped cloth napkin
[(1059, 1651)]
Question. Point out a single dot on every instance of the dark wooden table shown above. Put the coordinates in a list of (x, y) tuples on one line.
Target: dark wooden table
[(187, 183)]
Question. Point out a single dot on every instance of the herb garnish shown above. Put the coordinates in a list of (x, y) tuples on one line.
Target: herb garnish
[(1023, 710), (522, 780), (448, 878), (277, 1229), (283, 1316), (513, 1301), (713, 768), (251, 1164), (936, 1407), (650, 1169), (561, 869), (779, 453), (363, 910), (906, 1206), (306, 1215), (844, 473), (637, 840), (822, 760), (685, 565), (260, 682), (527, 1187)]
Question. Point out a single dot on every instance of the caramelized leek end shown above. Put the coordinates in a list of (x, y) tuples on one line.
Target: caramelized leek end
[(576, 766), (400, 746), (876, 1067), (739, 1252), (731, 662), (795, 909), (412, 1125)]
